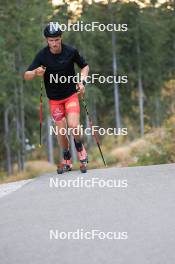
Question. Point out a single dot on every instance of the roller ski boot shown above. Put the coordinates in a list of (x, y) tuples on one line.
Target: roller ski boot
[(83, 158)]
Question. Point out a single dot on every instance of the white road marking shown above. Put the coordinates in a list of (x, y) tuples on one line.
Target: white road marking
[(7, 188)]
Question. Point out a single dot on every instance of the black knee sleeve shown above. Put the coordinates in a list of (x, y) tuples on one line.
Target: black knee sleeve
[(66, 154), (78, 145)]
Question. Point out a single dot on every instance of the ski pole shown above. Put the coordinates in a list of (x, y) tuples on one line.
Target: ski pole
[(90, 124), (41, 111), (41, 107)]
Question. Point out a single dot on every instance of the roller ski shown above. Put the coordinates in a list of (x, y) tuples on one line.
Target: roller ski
[(83, 167), (66, 164)]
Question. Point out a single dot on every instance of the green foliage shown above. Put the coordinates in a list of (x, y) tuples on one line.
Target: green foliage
[(161, 150), (153, 28)]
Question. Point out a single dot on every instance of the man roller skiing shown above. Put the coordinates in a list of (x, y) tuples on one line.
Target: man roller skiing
[(59, 58)]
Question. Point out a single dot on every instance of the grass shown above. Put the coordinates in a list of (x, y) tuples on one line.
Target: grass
[(37, 168), (156, 147), (32, 170)]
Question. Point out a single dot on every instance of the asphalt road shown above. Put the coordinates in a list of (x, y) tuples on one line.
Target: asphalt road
[(37, 219)]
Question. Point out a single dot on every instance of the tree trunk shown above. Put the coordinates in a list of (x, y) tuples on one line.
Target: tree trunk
[(114, 66), (141, 103), (140, 87), (7, 142), (19, 69), (18, 130), (22, 123)]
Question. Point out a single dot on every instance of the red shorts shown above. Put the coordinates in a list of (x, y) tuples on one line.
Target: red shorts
[(60, 108)]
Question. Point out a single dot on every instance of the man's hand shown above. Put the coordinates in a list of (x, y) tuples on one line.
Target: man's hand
[(29, 75), (40, 71), (80, 89)]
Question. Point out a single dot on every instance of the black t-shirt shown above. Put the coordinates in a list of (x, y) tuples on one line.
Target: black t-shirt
[(58, 65)]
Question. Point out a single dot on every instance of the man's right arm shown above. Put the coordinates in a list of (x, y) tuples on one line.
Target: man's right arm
[(35, 69), (29, 75)]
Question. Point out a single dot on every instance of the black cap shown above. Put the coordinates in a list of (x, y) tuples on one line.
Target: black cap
[(52, 31)]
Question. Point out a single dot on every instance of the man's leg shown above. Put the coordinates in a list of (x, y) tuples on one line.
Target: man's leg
[(72, 109), (63, 141), (73, 120), (58, 114)]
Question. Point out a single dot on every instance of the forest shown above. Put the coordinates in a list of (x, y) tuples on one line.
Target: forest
[(141, 51)]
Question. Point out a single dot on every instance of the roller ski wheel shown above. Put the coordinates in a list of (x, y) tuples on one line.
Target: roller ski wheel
[(83, 167), (63, 168)]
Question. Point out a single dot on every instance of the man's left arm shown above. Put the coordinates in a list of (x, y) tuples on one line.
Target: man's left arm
[(84, 71)]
